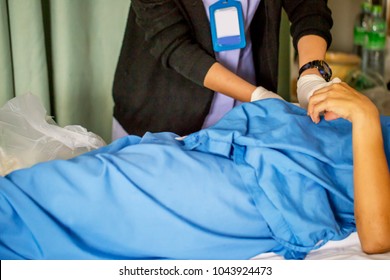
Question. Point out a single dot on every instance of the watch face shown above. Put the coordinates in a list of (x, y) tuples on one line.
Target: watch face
[(325, 70)]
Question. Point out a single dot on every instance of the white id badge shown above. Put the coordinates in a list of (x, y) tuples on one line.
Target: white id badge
[(227, 25)]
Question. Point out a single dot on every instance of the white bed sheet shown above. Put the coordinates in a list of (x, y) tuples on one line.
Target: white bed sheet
[(346, 249)]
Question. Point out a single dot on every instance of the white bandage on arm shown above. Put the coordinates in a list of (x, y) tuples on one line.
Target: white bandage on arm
[(261, 93), (308, 84)]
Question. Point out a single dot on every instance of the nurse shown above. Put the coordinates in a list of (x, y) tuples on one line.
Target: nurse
[(184, 64)]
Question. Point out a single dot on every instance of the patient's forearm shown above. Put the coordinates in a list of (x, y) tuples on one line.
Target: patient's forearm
[(372, 186), (222, 80)]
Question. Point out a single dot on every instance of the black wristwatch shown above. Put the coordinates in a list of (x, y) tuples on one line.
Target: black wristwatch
[(322, 67)]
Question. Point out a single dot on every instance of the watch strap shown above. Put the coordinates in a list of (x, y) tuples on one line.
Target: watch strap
[(321, 65)]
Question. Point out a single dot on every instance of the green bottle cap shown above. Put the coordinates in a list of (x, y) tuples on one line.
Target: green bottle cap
[(376, 10)]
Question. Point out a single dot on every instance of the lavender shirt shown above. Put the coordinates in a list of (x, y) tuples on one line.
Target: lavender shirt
[(238, 61)]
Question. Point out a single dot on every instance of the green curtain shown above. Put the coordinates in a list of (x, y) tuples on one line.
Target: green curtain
[(284, 78), (65, 52)]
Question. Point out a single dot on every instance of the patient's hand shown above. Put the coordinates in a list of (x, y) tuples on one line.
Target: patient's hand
[(340, 100)]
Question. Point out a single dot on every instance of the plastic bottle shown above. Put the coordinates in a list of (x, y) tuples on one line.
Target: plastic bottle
[(374, 47), (361, 27)]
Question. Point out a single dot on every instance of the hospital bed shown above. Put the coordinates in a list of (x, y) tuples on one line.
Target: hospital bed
[(348, 248)]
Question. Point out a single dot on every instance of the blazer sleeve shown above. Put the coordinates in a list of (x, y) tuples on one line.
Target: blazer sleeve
[(309, 17), (170, 39)]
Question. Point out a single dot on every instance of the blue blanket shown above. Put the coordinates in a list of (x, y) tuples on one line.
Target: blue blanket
[(263, 179)]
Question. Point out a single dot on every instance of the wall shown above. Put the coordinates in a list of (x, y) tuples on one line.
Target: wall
[(344, 14)]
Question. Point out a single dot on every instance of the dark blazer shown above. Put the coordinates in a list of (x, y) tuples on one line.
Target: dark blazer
[(167, 51)]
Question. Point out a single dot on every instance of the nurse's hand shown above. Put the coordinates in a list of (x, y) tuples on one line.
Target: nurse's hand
[(342, 100), (310, 83), (261, 93)]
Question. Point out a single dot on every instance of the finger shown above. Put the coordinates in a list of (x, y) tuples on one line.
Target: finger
[(330, 116), (319, 108), (313, 102)]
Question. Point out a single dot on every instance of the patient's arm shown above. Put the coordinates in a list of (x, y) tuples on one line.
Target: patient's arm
[(371, 171)]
